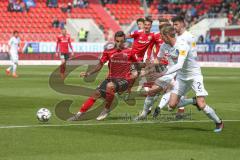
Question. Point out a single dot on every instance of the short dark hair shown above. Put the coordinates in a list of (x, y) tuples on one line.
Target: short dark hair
[(140, 20), (14, 32), (149, 19), (164, 25), (169, 30), (163, 20), (178, 19), (119, 34)]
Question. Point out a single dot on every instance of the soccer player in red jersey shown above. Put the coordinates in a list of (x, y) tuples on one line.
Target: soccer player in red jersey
[(142, 40), (62, 50), (120, 61), (140, 23)]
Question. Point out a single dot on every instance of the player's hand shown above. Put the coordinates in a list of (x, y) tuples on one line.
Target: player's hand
[(156, 61), (163, 61), (155, 75), (84, 74), (72, 54), (148, 61), (57, 54)]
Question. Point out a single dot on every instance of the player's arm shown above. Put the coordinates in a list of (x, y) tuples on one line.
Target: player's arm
[(9, 45), (94, 70), (57, 47), (70, 45), (98, 67), (149, 51), (183, 52), (132, 34)]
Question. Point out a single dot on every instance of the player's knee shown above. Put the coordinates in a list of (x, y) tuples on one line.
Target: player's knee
[(110, 87), (172, 105), (96, 95), (201, 102)]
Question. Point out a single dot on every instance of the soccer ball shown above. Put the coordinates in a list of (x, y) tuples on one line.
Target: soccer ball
[(43, 115)]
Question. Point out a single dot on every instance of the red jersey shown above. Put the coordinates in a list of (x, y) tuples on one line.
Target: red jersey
[(142, 42), (119, 62), (63, 42), (158, 43)]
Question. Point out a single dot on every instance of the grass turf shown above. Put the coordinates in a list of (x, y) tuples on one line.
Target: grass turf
[(20, 99)]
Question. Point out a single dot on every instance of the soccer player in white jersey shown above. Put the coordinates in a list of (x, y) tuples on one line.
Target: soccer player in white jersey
[(13, 53), (183, 34), (166, 57), (188, 76)]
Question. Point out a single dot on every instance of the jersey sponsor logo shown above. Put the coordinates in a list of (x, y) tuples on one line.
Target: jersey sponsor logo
[(143, 42)]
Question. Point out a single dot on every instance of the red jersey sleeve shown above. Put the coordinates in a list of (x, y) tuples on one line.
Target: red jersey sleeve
[(134, 34), (57, 46), (150, 48), (104, 57), (132, 57), (69, 43)]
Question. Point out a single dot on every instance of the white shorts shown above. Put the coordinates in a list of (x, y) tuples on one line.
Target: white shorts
[(181, 86), (165, 81), (14, 58)]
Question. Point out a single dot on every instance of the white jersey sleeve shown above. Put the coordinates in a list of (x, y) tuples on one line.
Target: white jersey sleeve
[(10, 41), (162, 50), (182, 49)]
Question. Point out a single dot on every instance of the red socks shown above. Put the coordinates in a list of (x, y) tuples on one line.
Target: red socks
[(62, 68), (87, 104)]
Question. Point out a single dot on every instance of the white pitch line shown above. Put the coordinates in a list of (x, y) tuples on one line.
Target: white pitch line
[(103, 124)]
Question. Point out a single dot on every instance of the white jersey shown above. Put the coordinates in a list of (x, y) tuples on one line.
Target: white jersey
[(191, 41), (168, 52), (187, 66), (14, 44)]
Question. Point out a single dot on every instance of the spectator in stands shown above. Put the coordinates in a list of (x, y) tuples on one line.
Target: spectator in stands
[(69, 7), (80, 3), (55, 23), (29, 48), (52, 3), (62, 24), (82, 35)]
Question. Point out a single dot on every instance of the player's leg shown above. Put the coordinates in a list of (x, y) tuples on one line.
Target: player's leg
[(149, 100), (64, 58), (166, 83), (163, 102), (115, 86), (14, 70), (9, 70), (201, 93), (180, 88), (99, 92), (14, 66)]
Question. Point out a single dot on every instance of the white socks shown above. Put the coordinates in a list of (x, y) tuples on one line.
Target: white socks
[(211, 114)]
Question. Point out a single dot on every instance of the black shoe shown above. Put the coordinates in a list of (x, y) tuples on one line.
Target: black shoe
[(149, 111), (195, 103), (156, 112), (179, 116), (219, 127)]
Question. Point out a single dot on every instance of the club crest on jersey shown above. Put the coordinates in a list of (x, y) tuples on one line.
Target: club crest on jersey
[(149, 38)]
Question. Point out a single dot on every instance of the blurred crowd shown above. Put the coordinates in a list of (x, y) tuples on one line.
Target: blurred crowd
[(68, 6), (226, 8), (17, 6)]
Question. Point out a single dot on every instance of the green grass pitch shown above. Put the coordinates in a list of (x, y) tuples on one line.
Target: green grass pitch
[(115, 138)]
